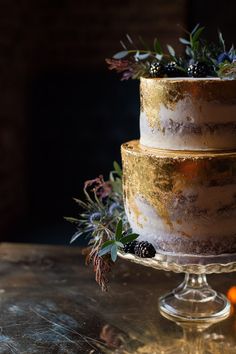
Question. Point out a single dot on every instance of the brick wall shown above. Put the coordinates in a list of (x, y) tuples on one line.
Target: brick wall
[(81, 33), (43, 36), (12, 118)]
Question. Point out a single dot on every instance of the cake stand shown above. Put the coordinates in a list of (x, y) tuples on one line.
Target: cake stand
[(193, 301)]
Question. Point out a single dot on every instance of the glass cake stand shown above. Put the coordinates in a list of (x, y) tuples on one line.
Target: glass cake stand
[(193, 301)]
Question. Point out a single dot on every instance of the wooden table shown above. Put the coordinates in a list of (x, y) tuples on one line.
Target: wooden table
[(50, 303)]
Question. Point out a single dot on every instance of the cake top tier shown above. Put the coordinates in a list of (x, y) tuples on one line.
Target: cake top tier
[(188, 102), (188, 113)]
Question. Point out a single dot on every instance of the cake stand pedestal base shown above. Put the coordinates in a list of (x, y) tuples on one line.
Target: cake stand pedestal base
[(194, 301)]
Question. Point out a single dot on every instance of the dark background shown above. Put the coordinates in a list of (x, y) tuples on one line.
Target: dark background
[(63, 115)]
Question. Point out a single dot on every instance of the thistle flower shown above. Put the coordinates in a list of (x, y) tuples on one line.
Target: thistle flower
[(103, 222), (226, 57)]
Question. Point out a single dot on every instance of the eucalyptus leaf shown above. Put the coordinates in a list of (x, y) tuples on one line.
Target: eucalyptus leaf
[(189, 51), (157, 46), (195, 28), (119, 228), (136, 55), (196, 35), (184, 41), (119, 244), (117, 168), (121, 54), (114, 250), (105, 250), (159, 56), (107, 243), (128, 238), (171, 50), (142, 56)]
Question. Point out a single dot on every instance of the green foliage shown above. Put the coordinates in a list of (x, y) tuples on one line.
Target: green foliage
[(136, 58), (117, 169), (120, 239), (193, 46)]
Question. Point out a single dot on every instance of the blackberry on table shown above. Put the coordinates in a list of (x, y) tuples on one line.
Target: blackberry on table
[(129, 247), (144, 249), (172, 70), (156, 70), (199, 69)]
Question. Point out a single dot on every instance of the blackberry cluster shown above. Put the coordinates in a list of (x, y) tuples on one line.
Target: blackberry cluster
[(129, 247), (141, 249), (172, 70), (144, 249), (199, 69), (156, 70)]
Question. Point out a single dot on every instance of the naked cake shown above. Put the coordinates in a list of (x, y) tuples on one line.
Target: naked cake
[(179, 180)]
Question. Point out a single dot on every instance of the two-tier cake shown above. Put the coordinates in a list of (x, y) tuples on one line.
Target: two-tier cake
[(179, 180)]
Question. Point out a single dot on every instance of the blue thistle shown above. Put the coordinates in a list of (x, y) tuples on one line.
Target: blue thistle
[(226, 56)]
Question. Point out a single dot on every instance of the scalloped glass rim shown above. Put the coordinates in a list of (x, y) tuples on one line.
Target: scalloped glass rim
[(196, 264)]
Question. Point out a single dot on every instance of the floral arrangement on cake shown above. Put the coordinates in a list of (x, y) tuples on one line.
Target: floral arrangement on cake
[(103, 223), (202, 58)]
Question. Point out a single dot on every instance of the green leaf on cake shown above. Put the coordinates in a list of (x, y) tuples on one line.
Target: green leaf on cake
[(114, 250), (118, 233), (196, 35), (157, 46), (184, 41), (107, 243), (171, 50), (129, 238), (121, 55), (105, 250), (117, 169)]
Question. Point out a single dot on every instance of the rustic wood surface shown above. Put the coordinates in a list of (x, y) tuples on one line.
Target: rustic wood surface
[(50, 303)]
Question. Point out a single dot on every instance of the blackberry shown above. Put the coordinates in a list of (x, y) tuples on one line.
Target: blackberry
[(156, 70), (129, 247), (199, 69), (172, 70), (144, 249)]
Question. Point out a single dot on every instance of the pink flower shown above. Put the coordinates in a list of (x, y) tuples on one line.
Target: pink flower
[(98, 186)]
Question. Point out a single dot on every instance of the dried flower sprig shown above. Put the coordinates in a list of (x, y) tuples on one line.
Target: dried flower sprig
[(103, 223)]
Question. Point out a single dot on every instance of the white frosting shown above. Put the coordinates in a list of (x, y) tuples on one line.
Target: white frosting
[(186, 115), (191, 124), (187, 224)]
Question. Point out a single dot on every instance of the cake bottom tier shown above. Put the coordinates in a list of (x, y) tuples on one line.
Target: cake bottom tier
[(181, 202)]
